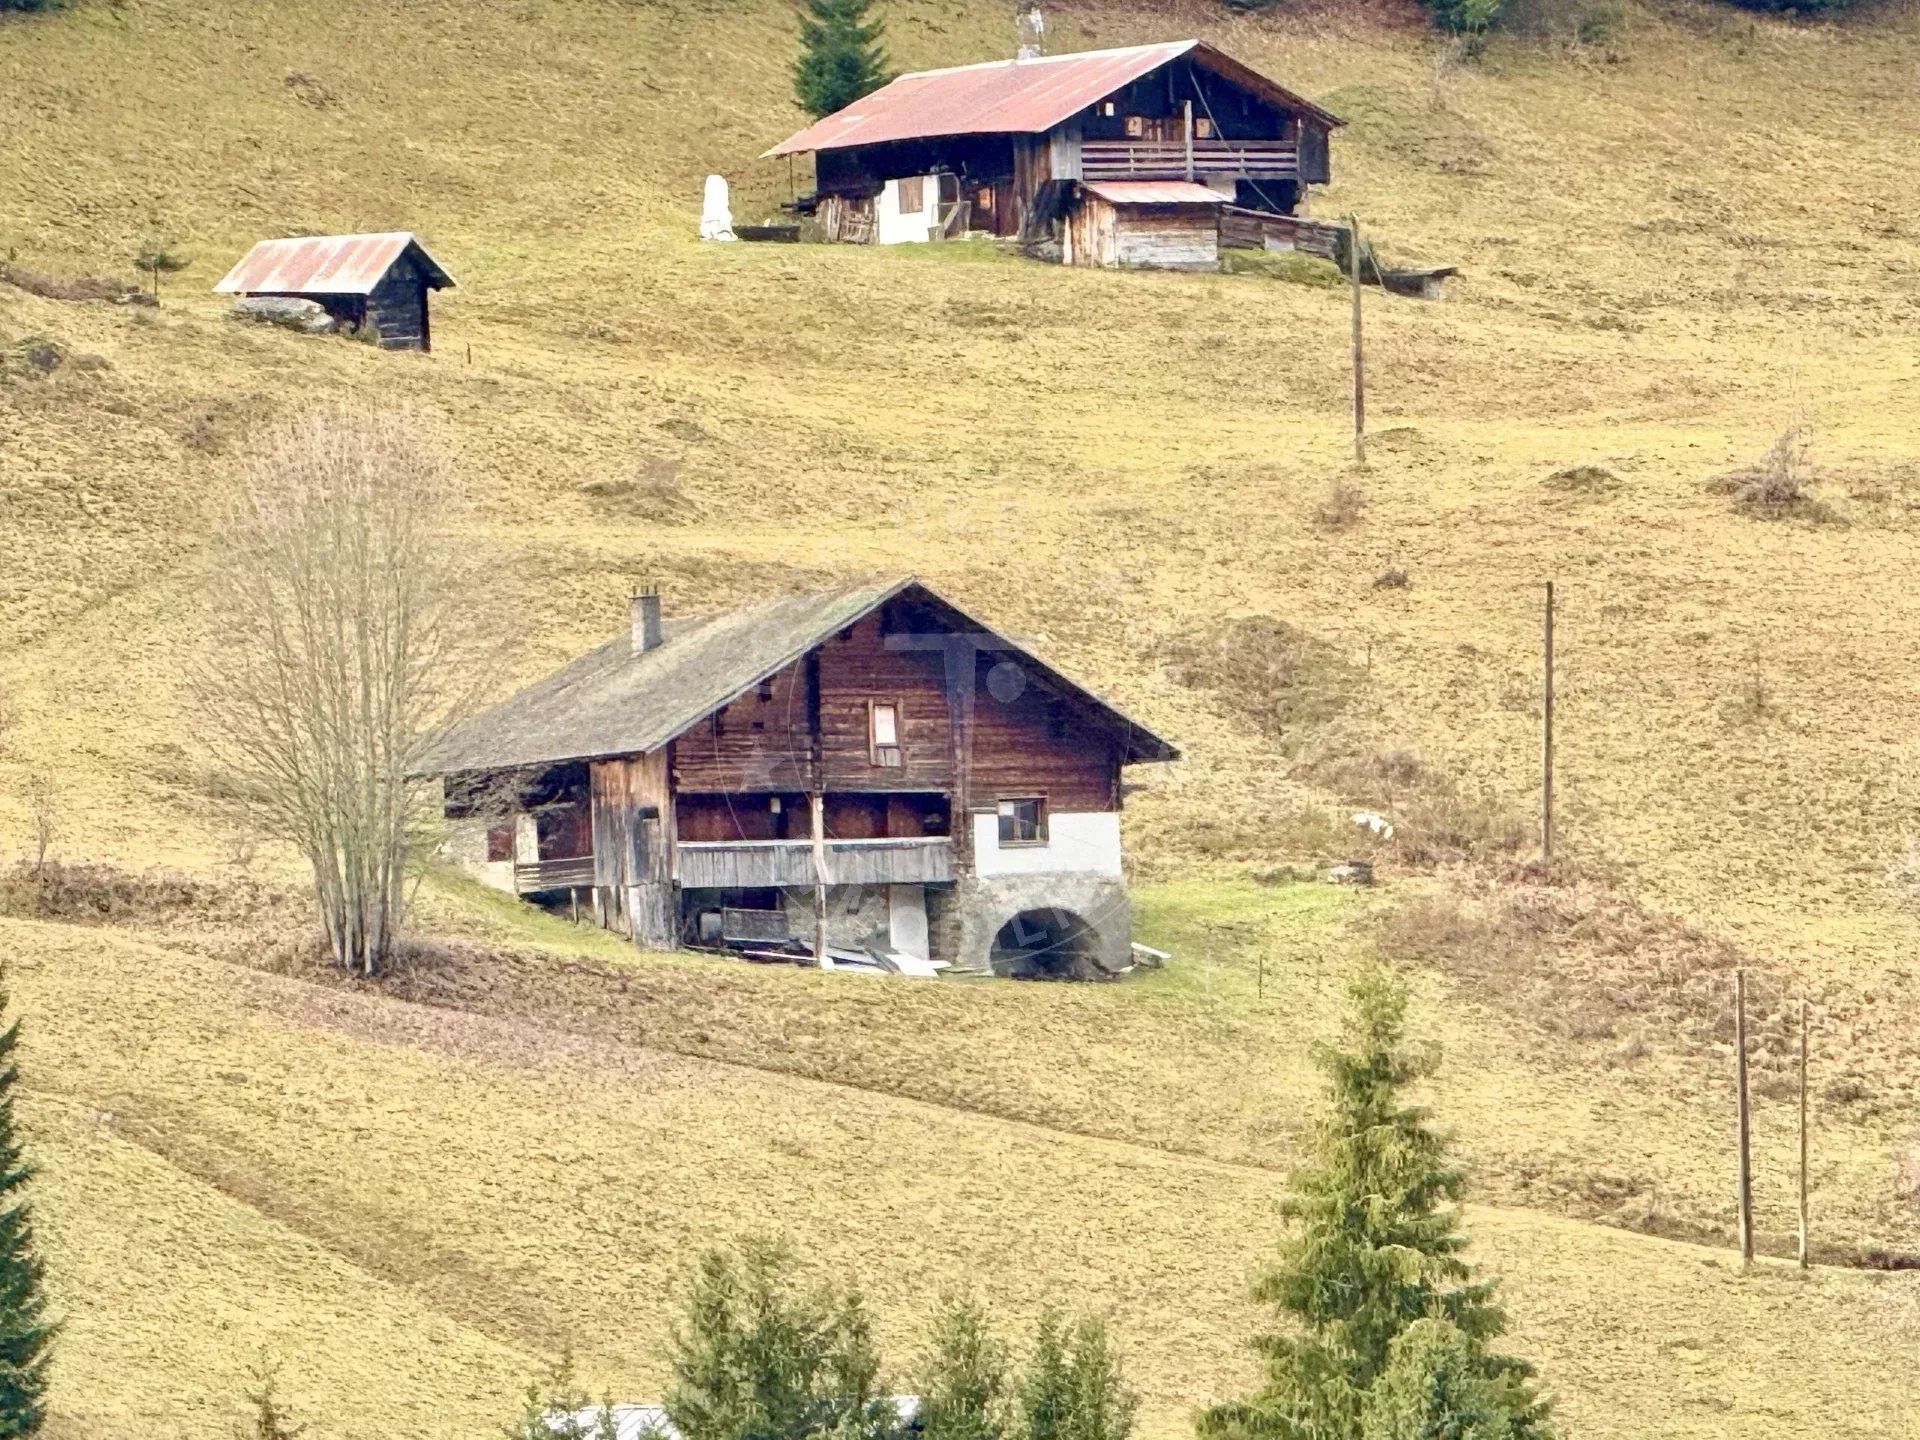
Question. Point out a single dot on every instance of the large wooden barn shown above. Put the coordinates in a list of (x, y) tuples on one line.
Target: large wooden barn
[(861, 775), (1107, 157)]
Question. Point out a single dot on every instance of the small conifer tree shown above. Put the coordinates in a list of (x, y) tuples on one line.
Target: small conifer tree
[(963, 1384), (840, 55), (1073, 1388), (26, 1336), (756, 1356), (267, 1417), (558, 1408), (1375, 1248)]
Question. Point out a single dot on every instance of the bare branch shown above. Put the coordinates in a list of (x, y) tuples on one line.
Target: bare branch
[(341, 646)]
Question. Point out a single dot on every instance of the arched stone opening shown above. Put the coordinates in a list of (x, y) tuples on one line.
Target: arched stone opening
[(1048, 943)]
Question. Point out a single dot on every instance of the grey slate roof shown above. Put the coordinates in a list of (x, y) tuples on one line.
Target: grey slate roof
[(611, 701)]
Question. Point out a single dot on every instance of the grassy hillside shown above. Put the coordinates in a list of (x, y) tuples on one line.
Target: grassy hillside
[(1667, 262), (412, 1204)]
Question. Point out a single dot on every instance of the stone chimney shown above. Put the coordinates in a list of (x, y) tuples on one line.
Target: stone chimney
[(646, 620)]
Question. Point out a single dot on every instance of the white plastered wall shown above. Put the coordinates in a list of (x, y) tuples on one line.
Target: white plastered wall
[(1086, 843)]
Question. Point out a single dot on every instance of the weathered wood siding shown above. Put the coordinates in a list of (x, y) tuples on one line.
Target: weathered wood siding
[(806, 729), (1150, 237), (398, 308), (633, 842)]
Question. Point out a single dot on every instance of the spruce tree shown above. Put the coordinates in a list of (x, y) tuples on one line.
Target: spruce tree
[(1073, 1388), (963, 1379), (840, 55), (758, 1358), (26, 1337), (1374, 1248)]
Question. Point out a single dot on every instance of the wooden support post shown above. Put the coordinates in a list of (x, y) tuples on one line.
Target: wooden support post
[(819, 879), (1359, 355), (573, 902), (1546, 735), (1744, 1119), (1189, 139), (1804, 1261)]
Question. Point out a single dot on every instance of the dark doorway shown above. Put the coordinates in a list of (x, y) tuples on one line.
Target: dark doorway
[(1045, 944)]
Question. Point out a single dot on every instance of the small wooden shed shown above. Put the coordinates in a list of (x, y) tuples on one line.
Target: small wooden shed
[(1158, 224), (378, 280)]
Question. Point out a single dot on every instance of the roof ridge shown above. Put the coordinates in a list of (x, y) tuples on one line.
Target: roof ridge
[(1176, 46)]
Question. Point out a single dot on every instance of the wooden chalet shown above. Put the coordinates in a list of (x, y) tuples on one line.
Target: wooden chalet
[(1107, 157), (862, 773), (360, 280)]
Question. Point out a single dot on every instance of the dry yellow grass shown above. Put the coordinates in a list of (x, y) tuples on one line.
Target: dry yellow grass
[(1667, 263), (412, 1204)]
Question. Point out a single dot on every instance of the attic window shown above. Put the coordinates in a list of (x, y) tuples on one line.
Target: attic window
[(1106, 107), (883, 732), (766, 691)]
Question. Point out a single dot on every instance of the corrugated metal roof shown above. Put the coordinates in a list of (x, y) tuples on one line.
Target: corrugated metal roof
[(1016, 97), (613, 701), (1154, 192), (326, 265)]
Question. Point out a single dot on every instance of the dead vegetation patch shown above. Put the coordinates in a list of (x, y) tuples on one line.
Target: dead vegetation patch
[(1591, 482), (1342, 507), (71, 287), (1580, 961), (96, 894), (1273, 674), (1779, 486), (651, 490)]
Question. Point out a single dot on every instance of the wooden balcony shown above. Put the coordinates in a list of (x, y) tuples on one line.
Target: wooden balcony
[(1167, 159), (757, 864), (576, 871)]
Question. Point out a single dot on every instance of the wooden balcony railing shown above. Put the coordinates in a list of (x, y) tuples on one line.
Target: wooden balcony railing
[(1167, 159), (755, 864), (529, 879)]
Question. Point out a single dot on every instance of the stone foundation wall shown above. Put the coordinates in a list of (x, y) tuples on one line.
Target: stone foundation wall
[(985, 904)]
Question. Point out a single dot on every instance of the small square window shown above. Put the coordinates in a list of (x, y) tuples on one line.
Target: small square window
[(766, 691), (499, 843), (883, 733), (1106, 107), (1023, 822), (1202, 128), (1136, 126)]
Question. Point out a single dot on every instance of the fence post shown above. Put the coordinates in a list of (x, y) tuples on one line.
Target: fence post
[(1745, 1127)]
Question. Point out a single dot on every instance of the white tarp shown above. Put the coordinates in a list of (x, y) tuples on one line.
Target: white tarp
[(716, 213)]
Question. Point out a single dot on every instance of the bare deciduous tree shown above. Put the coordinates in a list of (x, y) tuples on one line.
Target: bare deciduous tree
[(43, 812), (340, 648)]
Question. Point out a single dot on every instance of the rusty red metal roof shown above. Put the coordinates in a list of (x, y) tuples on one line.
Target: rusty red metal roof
[(326, 265), (1015, 97), (1154, 192)]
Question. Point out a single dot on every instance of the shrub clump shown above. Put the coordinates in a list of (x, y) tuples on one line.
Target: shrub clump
[(1779, 486)]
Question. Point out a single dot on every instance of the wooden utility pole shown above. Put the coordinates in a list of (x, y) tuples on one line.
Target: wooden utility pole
[(820, 879), (1359, 353), (1803, 1135), (1546, 734), (1746, 1156)]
